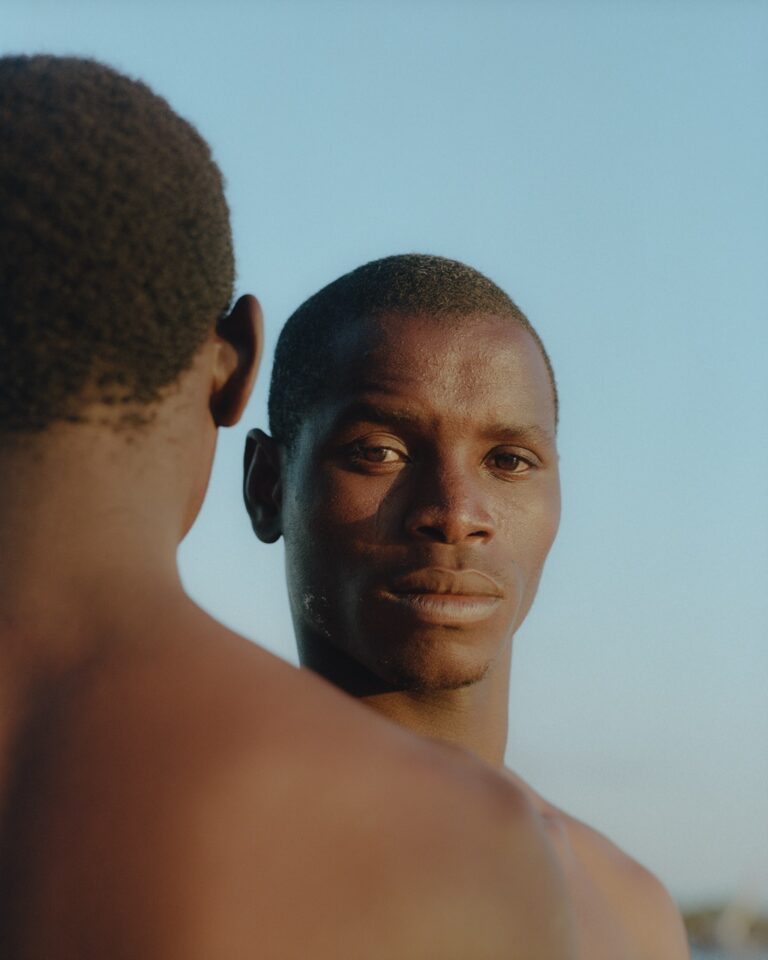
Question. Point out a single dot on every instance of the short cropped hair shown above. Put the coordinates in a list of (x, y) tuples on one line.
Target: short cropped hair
[(115, 242), (404, 284)]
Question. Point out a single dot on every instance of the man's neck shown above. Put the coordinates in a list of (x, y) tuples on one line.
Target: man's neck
[(474, 717), (87, 527)]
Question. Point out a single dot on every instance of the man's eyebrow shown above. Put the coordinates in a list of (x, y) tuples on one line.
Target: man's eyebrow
[(509, 431), (366, 411)]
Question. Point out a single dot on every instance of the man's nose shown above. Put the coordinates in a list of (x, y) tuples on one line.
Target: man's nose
[(449, 505)]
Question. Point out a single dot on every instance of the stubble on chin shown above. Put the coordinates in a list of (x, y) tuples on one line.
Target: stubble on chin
[(427, 675)]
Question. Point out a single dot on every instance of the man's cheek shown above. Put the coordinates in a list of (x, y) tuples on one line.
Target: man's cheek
[(350, 514)]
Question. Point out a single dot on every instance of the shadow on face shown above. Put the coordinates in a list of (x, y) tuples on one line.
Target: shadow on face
[(418, 502)]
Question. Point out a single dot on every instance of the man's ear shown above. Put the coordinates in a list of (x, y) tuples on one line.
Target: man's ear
[(263, 485), (240, 339)]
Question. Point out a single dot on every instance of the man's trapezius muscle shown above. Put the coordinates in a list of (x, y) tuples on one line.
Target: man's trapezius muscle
[(416, 487), (169, 789)]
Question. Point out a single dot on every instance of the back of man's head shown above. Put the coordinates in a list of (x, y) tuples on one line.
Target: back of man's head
[(115, 244)]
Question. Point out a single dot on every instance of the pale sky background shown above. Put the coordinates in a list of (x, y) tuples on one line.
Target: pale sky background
[(607, 164)]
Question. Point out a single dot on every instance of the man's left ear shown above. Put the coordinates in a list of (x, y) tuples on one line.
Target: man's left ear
[(263, 485), (240, 338)]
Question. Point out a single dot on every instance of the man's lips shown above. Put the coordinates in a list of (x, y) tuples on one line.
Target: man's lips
[(441, 580), (445, 597)]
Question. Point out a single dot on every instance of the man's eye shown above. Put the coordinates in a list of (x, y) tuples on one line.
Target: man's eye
[(508, 462), (369, 453)]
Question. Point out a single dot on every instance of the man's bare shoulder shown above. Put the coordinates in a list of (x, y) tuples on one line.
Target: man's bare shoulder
[(419, 842), (199, 797), (619, 901), (640, 900)]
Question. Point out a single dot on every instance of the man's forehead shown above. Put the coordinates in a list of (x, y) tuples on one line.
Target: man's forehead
[(483, 369), (403, 344), (470, 353)]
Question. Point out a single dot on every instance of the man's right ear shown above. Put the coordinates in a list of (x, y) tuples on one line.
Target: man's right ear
[(263, 485)]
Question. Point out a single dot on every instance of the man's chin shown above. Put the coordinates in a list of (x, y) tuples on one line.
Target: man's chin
[(422, 664), (427, 657), (432, 676)]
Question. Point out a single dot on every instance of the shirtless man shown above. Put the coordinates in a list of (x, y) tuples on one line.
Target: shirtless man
[(413, 474), (168, 789)]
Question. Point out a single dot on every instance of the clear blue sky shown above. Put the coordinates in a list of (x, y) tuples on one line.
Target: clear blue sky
[(606, 163)]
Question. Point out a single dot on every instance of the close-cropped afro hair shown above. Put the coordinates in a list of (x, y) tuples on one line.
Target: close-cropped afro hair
[(398, 285), (115, 243)]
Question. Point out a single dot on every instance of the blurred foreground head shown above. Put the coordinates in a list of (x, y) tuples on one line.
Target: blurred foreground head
[(115, 246)]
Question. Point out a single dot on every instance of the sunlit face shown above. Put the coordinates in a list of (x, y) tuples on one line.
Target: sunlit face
[(421, 498)]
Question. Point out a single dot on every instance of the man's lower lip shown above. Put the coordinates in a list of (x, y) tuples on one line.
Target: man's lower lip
[(446, 608)]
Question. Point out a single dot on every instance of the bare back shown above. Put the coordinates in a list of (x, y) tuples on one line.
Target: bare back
[(186, 794)]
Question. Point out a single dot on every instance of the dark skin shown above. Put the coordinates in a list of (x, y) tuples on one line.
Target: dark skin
[(429, 482), (418, 504)]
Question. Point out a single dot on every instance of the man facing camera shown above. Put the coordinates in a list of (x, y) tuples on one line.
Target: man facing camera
[(413, 474), (170, 790)]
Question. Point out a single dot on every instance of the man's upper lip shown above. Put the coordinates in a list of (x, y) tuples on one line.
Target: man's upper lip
[(467, 583)]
